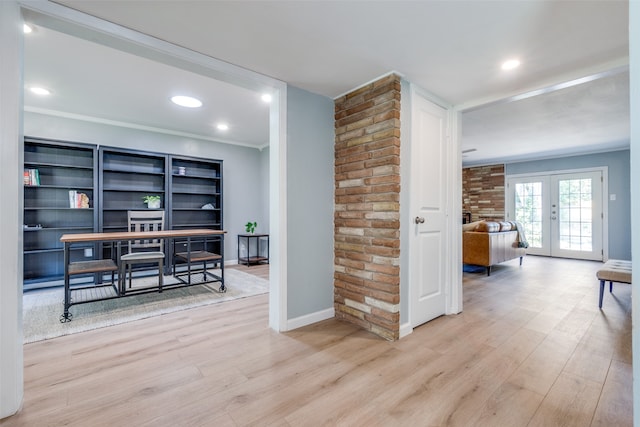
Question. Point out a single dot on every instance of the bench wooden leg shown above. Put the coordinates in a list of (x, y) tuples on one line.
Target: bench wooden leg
[(601, 293)]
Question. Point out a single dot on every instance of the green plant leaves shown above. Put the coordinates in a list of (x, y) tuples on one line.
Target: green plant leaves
[(250, 227)]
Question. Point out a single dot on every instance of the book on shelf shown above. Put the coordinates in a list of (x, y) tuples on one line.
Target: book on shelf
[(31, 177), (78, 200)]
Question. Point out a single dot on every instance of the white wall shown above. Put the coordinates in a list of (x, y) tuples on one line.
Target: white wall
[(634, 76), (11, 156), (243, 177)]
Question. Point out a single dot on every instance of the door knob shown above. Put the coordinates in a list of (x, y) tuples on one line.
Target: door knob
[(419, 220)]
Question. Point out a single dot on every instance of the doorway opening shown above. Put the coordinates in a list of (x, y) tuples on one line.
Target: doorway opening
[(60, 18)]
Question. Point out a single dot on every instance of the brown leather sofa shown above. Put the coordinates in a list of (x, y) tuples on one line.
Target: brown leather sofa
[(486, 243)]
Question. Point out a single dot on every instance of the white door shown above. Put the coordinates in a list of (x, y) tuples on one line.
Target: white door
[(428, 244), (577, 215), (562, 214)]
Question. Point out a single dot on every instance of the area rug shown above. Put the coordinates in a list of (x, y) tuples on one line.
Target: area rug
[(42, 309)]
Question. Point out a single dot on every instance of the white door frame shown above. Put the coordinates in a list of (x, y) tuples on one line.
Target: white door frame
[(61, 17), (605, 197), (453, 228)]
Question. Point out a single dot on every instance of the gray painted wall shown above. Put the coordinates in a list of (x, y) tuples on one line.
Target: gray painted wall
[(243, 179), (618, 163), (634, 77), (310, 202), (405, 194)]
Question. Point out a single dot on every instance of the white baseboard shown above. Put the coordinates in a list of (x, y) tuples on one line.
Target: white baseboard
[(308, 319), (405, 329)]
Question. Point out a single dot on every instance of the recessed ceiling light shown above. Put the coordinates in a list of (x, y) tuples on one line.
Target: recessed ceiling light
[(186, 101), (40, 90), (26, 28), (222, 126), (510, 64), (266, 97)]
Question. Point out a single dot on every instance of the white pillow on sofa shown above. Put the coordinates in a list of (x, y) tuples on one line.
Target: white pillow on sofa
[(470, 226)]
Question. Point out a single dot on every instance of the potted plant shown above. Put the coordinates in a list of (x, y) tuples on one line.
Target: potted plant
[(153, 202), (251, 227)]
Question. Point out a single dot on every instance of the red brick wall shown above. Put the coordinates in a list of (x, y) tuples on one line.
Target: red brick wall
[(483, 192), (367, 208)]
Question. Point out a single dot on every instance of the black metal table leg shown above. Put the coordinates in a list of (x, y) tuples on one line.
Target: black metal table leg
[(66, 316)]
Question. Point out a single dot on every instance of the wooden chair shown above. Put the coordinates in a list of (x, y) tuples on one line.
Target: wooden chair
[(143, 251)]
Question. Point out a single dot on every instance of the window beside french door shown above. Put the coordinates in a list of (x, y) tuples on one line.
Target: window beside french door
[(561, 214)]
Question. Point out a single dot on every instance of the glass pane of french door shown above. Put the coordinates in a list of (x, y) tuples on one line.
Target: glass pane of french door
[(528, 210), (527, 201), (576, 215), (574, 211)]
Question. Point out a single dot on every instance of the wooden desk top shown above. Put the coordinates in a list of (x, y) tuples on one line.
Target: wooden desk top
[(124, 235)]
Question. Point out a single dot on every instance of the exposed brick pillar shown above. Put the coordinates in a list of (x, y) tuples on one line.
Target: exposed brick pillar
[(483, 192), (367, 207)]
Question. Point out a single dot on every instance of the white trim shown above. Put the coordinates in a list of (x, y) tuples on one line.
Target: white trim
[(405, 329), (602, 169), (11, 217), (310, 318), (454, 179), (278, 211), (369, 82), (127, 125), (79, 24)]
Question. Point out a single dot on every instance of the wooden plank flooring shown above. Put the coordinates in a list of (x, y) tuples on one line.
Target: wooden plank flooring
[(531, 348)]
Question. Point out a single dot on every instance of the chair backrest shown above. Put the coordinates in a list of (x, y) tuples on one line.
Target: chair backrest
[(145, 221)]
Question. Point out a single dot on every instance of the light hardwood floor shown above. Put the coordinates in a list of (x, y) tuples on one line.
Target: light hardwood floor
[(531, 348)]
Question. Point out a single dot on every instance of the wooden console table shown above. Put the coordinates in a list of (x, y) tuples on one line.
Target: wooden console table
[(101, 292)]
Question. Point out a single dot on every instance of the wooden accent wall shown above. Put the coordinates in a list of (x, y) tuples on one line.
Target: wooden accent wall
[(483, 192), (367, 207)]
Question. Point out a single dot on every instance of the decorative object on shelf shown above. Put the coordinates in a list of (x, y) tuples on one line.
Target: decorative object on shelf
[(182, 170), (250, 227), (32, 226), (153, 202), (31, 177), (78, 200), (208, 206)]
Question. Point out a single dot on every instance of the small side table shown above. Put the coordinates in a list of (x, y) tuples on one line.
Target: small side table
[(261, 247)]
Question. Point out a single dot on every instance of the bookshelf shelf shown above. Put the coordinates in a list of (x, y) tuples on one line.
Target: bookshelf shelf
[(61, 167), (115, 180)]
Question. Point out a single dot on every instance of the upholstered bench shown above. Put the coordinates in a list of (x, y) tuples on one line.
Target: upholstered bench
[(614, 270)]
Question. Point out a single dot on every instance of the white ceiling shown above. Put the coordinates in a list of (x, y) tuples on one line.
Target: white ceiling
[(451, 48)]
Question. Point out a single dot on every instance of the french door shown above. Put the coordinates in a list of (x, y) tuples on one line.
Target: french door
[(561, 214)]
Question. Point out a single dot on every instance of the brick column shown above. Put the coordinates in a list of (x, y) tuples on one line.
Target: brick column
[(367, 207)]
